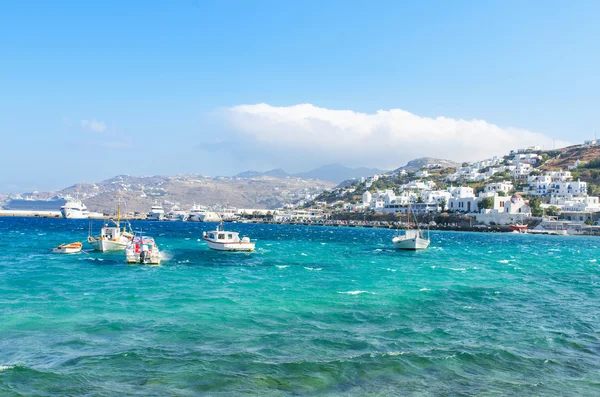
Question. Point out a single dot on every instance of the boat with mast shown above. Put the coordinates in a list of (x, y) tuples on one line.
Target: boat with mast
[(112, 237), (412, 239)]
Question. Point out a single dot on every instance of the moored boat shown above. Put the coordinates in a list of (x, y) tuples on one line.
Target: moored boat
[(143, 250), (74, 209), (222, 240), (412, 239), (112, 237), (518, 227), (157, 213), (72, 248)]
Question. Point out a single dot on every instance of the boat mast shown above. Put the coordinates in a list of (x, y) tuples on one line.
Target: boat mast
[(408, 214)]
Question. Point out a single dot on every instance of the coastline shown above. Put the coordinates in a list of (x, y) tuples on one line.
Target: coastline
[(331, 223)]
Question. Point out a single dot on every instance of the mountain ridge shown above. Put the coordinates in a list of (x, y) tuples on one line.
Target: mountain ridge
[(334, 172)]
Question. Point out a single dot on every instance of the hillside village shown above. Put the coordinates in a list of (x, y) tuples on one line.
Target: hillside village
[(527, 182)]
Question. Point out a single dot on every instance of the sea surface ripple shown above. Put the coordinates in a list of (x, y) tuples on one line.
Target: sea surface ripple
[(314, 311)]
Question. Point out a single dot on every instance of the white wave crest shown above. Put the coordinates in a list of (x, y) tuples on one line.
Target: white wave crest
[(356, 292)]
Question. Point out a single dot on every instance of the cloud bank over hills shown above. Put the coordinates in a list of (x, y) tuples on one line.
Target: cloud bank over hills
[(305, 135)]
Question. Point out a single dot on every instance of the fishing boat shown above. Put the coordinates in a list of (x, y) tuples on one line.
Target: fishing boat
[(112, 237), (72, 248), (143, 250), (412, 239), (222, 240), (518, 227)]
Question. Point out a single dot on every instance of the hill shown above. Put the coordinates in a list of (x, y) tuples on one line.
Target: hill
[(332, 173), (139, 193), (565, 157), (424, 162), (338, 173)]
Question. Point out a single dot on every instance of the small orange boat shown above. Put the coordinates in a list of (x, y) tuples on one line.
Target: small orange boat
[(72, 248), (518, 227)]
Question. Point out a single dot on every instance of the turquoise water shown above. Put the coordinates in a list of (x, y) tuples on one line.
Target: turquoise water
[(315, 311)]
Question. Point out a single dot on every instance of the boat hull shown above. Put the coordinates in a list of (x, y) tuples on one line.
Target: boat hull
[(107, 245), (69, 214), (411, 244), (147, 260), (234, 246), (68, 249)]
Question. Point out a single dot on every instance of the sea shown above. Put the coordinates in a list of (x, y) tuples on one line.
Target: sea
[(315, 310)]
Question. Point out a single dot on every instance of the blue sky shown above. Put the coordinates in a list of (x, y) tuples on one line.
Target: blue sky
[(95, 90)]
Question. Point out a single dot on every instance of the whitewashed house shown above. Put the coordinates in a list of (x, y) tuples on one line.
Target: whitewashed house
[(504, 186)]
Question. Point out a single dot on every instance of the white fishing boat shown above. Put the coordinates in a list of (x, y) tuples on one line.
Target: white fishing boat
[(72, 248), (157, 213), (222, 240), (142, 250), (74, 209), (112, 237), (411, 239)]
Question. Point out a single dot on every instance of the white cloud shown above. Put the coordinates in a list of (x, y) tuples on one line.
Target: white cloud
[(93, 125), (386, 138)]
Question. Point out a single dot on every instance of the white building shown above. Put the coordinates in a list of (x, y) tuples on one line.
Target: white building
[(522, 170), (581, 203), (575, 165), (504, 186), (366, 198), (462, 200)]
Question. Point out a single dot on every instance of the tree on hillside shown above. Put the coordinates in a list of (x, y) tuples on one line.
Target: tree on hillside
[(552, 211), (501, 193), (420, 199), (487, 204), (535, 205)]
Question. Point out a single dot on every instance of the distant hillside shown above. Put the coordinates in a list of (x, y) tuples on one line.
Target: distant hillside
[(331, 173), (563, 158), (277, 173), (417, 164), (139, 193), (338, 173)]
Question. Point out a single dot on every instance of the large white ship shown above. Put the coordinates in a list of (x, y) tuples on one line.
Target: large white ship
[(201, 214), (74, 209), (157, 213)]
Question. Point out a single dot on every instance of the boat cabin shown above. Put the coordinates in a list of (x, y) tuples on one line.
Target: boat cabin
[(221, 236)]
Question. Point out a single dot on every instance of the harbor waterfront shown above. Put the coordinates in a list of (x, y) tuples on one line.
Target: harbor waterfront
[(313, 311)]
